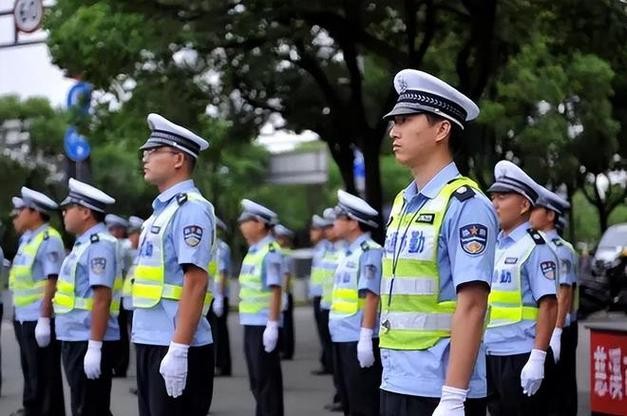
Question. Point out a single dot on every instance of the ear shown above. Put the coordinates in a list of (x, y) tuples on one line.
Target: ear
[(180, 160), (525, 206), (552, 216), (443, 130)]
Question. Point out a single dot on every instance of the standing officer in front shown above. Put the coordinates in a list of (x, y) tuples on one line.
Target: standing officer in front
[(220, 306), (523, 303), (87, 300), (547, 212), (353, 321), (33, 280), (260, 282), (172, 291), (439, 254)]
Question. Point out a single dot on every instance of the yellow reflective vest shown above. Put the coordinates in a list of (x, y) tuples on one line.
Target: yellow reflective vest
[(254, 297), (150, 284), (65, 299), (412, 315), (330, 260), (25, 290)]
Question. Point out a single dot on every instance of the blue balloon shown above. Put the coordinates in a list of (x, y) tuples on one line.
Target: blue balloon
[(76, 146), (79, 95)]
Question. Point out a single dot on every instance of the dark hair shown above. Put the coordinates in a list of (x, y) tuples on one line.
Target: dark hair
[(98, 216), (190, 161), (44, 216), (455, 142), (365, 228)]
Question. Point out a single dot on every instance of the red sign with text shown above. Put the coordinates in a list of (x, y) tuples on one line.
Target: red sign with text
[(608, 372)]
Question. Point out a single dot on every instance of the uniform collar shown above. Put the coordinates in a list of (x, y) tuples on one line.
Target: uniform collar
[(552, 234), (37, 230), (266, 240), (357, 243), (435, 185), (172, 191), (98, 228), (516, 234)]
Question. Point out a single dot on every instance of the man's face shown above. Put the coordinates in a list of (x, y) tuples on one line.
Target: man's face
[(510, 208), (329, 234), (160, 164), (252, 230), (73, 217), (342, 226), (134, 239), (542, 218), (20, 220), (117, 231), (315, 235), (413, 139)]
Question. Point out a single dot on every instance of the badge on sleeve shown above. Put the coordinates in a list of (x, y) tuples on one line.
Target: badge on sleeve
[(370, 271), (473, 238), (192, 234), (98, 265), (548, 269)]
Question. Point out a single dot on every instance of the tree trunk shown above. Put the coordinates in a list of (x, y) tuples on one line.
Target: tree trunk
[(374, 192), (343, 157)]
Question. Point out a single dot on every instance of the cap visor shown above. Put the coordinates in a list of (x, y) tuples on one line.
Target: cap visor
[(401, 110), (501, 188), (150, 145)]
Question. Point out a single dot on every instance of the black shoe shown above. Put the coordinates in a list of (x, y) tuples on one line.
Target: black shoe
[(334, 407), (320, 372), (19, 412), (220, 373), (133, 390)]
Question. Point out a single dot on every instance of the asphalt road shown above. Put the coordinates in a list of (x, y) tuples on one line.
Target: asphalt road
[(305, 395)]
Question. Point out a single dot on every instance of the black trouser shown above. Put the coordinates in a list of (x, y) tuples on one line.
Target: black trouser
[(151, 393), (88, 397), (359, 387), (41, 368), (264, 373), (286, 333), (395, 404), (505, 394), (221, 340), (564, 392), (326, 357), (121, 352), (328, 351), (1, 315)]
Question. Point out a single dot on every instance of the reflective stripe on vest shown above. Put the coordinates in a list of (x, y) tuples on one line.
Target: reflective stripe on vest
[(412, 315), (25, 290), (127, 288), (149, 284), (254, 298), (330, 260), (506, 299), (65, 299), (346, 301)]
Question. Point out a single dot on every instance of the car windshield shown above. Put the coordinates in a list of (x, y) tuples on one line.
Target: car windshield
[(614, 237)]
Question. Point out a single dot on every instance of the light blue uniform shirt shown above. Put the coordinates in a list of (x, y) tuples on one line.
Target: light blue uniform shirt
[(518, 338), (223, 258), (422, 372), (96, 267), (568, 259), (316, 259), (369, 280), (47, 263), (156, 325), (271, 275)]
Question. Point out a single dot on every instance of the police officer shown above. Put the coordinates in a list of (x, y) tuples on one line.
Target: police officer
[(548, 210), (220, 307), (135, 225), (260, 282), (117, 227), (523, 302), (439, 254), (33, 280), (171, 289), (284, 237), (320, 244), (353, 322), (87, 300)]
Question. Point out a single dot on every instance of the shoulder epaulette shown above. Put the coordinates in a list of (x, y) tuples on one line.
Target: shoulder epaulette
[(271, 248), (464, 192), (46, 235), (365, 246), (94, 238), (558, 242), (537, 237), (181, 198)]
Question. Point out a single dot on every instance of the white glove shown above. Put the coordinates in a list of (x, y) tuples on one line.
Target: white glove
[(556, 343), (42, 332), (365, 355), (533, 372), (173, 369), (91, 362), (284, 301), (270, 336), (451, 402), (218, 306)]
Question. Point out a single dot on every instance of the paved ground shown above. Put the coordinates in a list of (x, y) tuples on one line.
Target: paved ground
[(304, 394)]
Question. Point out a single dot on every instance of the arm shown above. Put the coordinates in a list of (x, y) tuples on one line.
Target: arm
[(466, 332), (547, 312), (100, 312), (275, 303), (564, 304), (195, 283), (222, 282), (46, 302), (370, 310)]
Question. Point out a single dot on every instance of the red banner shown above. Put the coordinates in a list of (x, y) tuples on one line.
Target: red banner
[(608, 372)]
